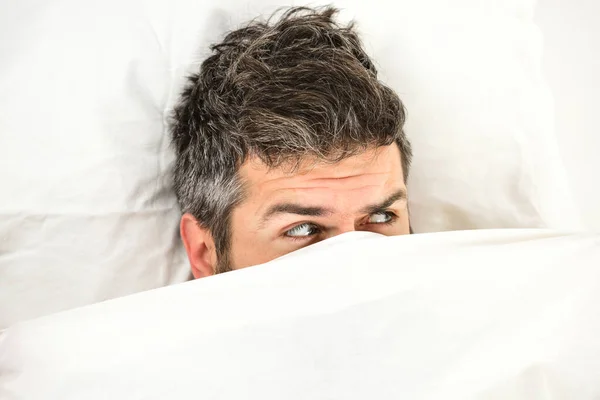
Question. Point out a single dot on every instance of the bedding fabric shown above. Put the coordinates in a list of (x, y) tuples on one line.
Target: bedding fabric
[(464, 315), (571, 62), (87, 211)]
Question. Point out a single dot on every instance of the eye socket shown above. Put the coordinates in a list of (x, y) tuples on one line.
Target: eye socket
[(382, 217), (302, 231)]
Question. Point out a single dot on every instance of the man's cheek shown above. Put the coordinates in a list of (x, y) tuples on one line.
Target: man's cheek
[(249, 250)]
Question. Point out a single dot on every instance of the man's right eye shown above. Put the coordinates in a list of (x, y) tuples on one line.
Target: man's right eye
[(302, 231)]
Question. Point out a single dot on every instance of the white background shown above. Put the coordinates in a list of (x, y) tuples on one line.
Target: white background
[(571, 65)]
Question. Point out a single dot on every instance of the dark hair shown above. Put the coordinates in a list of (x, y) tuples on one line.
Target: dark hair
[(282, 90)]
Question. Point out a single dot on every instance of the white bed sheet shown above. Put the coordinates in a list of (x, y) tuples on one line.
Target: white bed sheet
[(466, 315), (87, 212), (570, 64)]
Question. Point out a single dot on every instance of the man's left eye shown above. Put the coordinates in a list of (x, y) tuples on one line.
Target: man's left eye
[(380, 218)]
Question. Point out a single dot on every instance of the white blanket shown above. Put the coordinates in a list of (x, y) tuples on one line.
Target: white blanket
[(508, 314)]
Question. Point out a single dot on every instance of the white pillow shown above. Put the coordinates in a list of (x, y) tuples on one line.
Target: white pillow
[(570, 63), (88, 212), (502, 314)]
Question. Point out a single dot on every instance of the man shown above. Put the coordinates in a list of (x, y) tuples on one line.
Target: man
[(284, 138)]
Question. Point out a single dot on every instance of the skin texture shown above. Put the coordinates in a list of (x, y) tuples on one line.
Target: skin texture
[(334, 198)]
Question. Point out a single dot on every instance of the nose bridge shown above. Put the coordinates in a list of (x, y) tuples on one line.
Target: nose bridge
[(349, 228), (345, 203), (346, 225)]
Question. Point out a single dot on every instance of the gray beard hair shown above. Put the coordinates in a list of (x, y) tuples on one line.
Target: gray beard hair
[(224, 263)]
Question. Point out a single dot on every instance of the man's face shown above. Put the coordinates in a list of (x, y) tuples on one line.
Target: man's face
[(284, 211)]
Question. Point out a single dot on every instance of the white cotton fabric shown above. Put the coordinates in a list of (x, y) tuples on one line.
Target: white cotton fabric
[(501, 314), (87, 212), (571, 58)]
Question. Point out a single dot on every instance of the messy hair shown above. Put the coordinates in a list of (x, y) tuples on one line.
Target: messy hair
[(298, 85)]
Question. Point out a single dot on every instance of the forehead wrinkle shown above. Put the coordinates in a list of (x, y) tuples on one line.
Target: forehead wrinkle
[(337, 183), (336, 199), (327, 187), (349, 177)]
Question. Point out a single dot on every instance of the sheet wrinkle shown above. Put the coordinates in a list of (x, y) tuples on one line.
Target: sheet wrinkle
[(94, 214)]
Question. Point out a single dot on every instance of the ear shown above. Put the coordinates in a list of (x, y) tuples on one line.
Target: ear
[(199, 245)]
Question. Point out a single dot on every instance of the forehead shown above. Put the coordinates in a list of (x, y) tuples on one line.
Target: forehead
[(374, 167)]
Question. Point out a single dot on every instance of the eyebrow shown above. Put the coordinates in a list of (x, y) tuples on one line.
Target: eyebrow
[(291, 208), (399, 194)]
